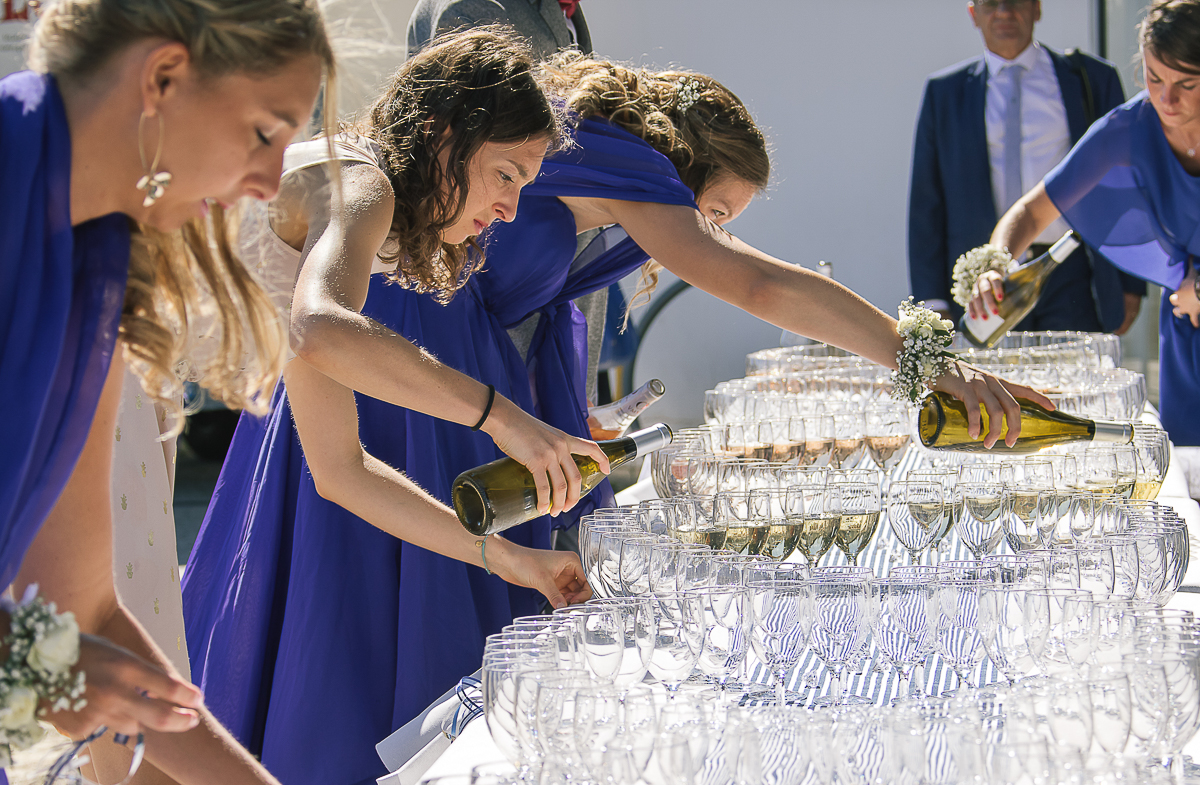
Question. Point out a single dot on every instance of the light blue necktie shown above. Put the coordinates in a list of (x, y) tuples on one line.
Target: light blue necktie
[(1012, 137)]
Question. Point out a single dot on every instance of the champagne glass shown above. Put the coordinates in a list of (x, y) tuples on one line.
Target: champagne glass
[(780, 610), (1153, 456), (979, 525), (905, 623), (818, 439), (744, 514), (1019, 513), (959, 639), (1127, 469), (948, 477), (887, 433), (915, 511), (840, 622), (859, 507), (819, 514), (639, 630), (680, 620), (1098, 471)]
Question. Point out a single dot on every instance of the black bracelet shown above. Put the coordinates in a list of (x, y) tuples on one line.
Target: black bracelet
[(487, 409)]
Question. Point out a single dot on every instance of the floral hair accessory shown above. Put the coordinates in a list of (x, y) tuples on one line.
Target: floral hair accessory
[(43, 646), (924, 357), (975, 263), (687, 95)]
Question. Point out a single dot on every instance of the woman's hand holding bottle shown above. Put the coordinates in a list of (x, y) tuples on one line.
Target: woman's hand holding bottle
[(545, 451), (558, 575), (977, 388)]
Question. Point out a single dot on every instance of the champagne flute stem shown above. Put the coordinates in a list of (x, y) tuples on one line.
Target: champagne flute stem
[(780, 690)]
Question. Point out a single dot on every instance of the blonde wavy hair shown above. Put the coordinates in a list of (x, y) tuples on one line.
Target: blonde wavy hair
[(187, 282), (692, 119)]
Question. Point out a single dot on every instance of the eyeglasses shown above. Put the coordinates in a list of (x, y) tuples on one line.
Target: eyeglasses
[(990, 6), (66, 768)]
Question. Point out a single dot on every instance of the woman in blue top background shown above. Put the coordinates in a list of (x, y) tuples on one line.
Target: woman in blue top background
[(1131, 188), (138, 123)]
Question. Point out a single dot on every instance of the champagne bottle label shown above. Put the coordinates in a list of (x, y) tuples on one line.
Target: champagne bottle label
[(616, 417), (982, 328)]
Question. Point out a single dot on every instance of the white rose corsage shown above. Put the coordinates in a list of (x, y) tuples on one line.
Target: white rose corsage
[(975, 263), (43, 646), (924, 357)]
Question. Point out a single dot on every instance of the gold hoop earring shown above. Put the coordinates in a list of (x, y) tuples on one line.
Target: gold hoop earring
[(153, 182)]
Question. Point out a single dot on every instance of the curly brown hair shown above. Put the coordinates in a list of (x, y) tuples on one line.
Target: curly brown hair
[(694, 120), (185, 282), (461, 91)]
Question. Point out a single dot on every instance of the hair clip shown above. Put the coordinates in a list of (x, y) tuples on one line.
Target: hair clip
[(687, 94)]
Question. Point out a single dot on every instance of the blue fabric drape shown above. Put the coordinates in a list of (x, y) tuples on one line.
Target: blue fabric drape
[(1125, 192), (61, 291)]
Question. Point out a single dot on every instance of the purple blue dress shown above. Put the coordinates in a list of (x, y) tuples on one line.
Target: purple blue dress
[(1122, 188), (61, 291), (312, 633)]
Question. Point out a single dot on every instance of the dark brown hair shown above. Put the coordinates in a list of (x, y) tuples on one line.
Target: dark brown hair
[(1171, 31), (463, 90)]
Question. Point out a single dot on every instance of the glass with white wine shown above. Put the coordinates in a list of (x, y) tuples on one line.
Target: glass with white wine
[(888, 434), (916, 511), (1153, 457), (859, 506), (811, 507)]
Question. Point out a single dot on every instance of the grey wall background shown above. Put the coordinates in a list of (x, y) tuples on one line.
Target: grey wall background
[(836, 86)]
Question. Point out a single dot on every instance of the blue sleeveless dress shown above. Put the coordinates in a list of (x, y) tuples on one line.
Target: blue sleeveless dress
[(312, 633), (1128, 196)]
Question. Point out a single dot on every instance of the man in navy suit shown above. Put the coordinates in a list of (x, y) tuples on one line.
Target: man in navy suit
[(989, 130)]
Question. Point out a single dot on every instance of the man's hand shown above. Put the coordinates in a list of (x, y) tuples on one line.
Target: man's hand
[(1133, 306)]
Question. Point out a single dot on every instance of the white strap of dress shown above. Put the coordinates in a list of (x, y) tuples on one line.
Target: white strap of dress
[(302, 155)]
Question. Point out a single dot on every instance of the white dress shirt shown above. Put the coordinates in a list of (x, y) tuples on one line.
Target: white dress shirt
[(1045, 138)]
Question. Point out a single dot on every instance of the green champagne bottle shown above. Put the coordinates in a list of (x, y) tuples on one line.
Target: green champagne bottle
[(501, 494), (942, 425), (1022, 287)]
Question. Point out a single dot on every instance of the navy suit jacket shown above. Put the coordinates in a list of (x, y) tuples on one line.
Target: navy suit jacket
[(950, 207)]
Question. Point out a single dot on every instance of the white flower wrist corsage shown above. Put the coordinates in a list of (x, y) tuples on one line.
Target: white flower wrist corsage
[(924, 358), (43, 646), (975, 263)]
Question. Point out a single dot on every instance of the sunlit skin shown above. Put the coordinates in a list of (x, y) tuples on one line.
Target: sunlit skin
[(1176, 99), (495, 176), (1007, 27), (726, 197), (223, 137)]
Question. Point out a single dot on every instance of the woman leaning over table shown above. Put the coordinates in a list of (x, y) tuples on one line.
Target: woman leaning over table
[(140, 122), (1131, 189)]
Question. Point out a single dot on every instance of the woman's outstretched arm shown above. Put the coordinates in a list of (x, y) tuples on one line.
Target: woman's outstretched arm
[(332, 335), (796, 299), (347, 475)]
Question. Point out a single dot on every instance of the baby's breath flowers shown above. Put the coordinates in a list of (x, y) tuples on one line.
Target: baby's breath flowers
[(975, 263), (43, 646), (924, 357)]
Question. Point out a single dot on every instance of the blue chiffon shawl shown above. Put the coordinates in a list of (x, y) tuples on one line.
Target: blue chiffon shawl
[(61, 291), (1122, 188)]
